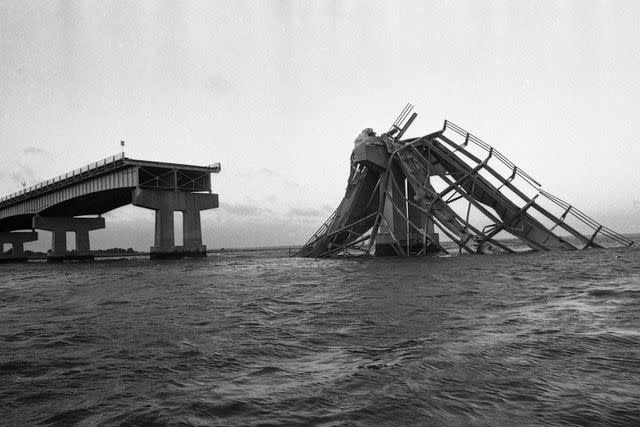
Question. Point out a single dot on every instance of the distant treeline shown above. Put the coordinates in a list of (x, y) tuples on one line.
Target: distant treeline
[(115, 251), (96, 251)]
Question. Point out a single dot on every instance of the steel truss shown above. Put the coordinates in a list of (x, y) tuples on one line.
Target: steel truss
[(173, 179), (397, 201)]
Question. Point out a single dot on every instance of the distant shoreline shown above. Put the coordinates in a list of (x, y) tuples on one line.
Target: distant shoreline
[(120, 252)]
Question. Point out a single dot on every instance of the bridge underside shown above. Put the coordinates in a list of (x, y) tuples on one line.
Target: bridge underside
[(97, 203), (17, 222), (91, 204)]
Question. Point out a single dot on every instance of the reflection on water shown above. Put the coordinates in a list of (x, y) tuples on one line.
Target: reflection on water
[(252, 337)]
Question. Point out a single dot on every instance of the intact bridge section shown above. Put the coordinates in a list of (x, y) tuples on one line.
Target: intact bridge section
[(75, 202)]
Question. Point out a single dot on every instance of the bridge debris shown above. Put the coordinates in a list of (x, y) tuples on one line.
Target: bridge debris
[(403, 194)]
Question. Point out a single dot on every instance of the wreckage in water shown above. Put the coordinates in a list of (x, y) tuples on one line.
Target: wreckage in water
[(403, 194)]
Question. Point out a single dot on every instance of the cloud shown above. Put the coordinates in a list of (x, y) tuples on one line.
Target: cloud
[(259, 174), (269, 172), (275, 176), (305, 212), (24, 174), (243, 209), (31, 150), (290, 183), (272, 198), (219, 85)]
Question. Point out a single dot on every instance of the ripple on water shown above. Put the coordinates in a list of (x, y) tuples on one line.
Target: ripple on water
[(246, 338)]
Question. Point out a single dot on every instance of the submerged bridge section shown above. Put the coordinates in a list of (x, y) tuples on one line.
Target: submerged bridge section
[(402, 194), (76, 201)]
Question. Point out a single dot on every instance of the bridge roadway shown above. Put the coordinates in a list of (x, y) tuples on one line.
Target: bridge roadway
[(77, 200)]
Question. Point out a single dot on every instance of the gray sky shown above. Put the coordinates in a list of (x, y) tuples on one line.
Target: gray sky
[(278, 90)]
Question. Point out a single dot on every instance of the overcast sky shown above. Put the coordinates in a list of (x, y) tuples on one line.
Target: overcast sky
[(278, 90)]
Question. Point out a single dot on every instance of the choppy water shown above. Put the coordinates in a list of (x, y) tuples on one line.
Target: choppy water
[(253, 338)]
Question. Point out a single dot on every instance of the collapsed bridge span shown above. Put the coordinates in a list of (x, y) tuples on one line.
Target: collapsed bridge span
[(403, 194)]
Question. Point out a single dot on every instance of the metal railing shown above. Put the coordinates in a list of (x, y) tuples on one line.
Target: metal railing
[(320, 233), (480, 143), (73, 173), (569, 209), (587, 220)]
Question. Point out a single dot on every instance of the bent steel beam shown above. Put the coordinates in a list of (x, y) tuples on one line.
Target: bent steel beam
[(410, 207)]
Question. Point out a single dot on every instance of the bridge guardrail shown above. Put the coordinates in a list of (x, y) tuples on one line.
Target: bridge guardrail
[(480, 143), (569, 209), (87, 168), (215, 166)]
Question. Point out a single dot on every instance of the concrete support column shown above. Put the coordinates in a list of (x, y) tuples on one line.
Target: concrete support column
[(17, 240), (82, 242), (17, 249), (417, 239), (167, 202), (397, 224), (165, 235), (58, 242), (411, 240), (191, 229), (59, 226)]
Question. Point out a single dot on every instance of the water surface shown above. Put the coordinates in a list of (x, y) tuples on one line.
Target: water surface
[(250, 338)]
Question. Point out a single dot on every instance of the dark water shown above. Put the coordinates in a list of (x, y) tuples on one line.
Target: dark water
[(253, 338)]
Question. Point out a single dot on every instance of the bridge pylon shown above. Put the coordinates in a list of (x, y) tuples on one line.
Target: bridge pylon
[(165, 203), (17, 239), (59, 226)]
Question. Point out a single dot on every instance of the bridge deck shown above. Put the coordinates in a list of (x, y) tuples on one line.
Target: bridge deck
[(100, 187)]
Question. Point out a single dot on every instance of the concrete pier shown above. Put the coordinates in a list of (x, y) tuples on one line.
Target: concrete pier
[(401, 220), (165, 203), (17, 239), (416, 242), (393, 232), (59, 226)]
